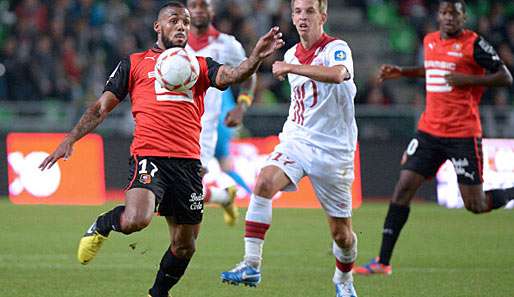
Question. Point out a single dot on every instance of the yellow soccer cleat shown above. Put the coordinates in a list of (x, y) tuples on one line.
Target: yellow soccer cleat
[(89, 245), (231, 212)]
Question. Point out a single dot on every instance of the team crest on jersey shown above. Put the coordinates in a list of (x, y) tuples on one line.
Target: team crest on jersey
[(456, 50), (340, 55), (145, 178)]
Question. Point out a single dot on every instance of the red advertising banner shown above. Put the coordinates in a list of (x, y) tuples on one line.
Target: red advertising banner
[(79, 180)]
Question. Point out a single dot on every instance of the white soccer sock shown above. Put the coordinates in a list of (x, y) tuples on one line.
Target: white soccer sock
[(253, 252), (258, 220), (344, 257), (217, 195)]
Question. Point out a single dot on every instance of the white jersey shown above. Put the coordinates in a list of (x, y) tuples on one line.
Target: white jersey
[(224, 49), (323, 114)]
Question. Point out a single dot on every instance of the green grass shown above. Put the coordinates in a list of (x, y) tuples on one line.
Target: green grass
[(442, 253)]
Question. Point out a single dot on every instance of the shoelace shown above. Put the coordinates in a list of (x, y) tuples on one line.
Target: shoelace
[(239, 267)]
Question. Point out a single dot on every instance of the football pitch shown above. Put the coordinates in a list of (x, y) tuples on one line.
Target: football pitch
[(441, 253)]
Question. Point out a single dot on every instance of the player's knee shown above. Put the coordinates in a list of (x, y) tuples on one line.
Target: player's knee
[(183, 250), (474, 208), (264, 187), (343, 238), (403, 194), (136, 223)]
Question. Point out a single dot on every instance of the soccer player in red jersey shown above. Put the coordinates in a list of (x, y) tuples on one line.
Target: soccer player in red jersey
[(165, 167), (458, 65)]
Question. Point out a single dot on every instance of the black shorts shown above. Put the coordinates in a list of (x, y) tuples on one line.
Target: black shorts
[(176, 183), (426, 153)]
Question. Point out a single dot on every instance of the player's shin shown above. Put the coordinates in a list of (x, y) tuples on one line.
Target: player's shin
[(500, 197), (258, 221), (170, 271), (396, 218), (110, 221), (345, 258)]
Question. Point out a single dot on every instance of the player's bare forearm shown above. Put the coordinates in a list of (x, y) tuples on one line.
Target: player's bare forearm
[(248, 86), (500, 78), (335, 74), (93, 116), (416, 71), (232, 75)]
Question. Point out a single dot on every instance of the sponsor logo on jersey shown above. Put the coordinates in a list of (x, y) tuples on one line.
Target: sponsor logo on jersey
[(340, 55), (145, 178)]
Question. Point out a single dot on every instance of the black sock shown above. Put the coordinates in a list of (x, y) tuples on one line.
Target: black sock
[(499, 198), (396, 217), (110, 221), (170, 271)]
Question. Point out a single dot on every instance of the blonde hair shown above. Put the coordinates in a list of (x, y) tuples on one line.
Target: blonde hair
[(322, 5)]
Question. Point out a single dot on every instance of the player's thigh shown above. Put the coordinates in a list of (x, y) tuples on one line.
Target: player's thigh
[(406, 186), (474, 198), (283, 169), (271, 179), (424, 155), (183, 199), (139, 205), (334, 191)]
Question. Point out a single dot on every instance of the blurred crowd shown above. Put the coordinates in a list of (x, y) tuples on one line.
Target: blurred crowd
[(65, 49)]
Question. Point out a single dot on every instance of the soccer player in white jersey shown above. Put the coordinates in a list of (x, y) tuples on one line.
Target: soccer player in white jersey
[(205, 40), (318, 140)]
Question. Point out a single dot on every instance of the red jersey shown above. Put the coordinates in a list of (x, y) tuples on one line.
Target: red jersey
[(453, 111), (167, 124)]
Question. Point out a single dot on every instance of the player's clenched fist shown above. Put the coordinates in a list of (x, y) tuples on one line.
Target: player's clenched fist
[(389, 72), (280, 69)]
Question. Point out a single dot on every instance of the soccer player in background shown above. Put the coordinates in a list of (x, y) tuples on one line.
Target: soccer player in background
[(318, 140), (458, 65), (205, 40), (165, 164), (225, 136)]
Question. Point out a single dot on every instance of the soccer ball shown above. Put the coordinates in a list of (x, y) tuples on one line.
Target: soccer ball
[(176, 70)]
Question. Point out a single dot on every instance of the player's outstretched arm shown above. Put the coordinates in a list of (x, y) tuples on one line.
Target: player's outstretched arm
[(392, 72), (334, 74), (500, 78), (266, 46), (244, 100), (91, 118)]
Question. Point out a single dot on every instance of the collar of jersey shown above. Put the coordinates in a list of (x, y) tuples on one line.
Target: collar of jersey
[(305, 56), (197, 42)]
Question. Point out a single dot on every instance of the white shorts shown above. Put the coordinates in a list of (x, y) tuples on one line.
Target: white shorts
[(331, 177)]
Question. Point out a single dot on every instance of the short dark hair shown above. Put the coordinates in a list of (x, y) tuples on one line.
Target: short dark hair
[(171, 4), (455, 2), (322, 5)]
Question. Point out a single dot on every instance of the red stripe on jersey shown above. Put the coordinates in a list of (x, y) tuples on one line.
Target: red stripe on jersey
[(480, 162), (134, 176)]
